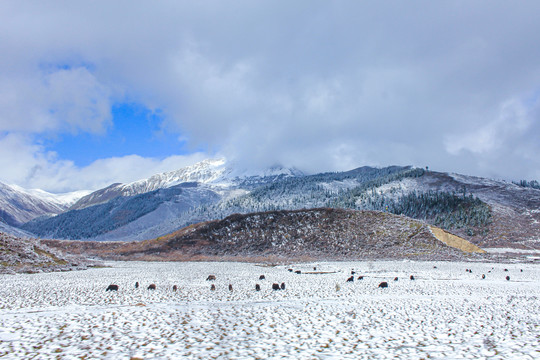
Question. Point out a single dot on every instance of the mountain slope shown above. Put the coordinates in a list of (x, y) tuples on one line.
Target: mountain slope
[(30, 255), (18, 205), (313, 233), (514, 212), (99, 219), (206, 171), (487, 212)]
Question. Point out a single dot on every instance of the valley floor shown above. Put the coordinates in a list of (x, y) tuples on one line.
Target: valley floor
[(444, 313)]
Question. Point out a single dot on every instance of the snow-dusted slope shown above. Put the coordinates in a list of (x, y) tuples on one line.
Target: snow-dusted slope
[(18, 205), (150, 207), (207, 171), (515, 210), (217, 173)]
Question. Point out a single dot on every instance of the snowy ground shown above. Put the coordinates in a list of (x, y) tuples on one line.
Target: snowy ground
[(444, 313)]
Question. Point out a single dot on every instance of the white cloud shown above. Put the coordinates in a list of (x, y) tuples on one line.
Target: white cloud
[(321, 86), (30, 166), (512, 122), (60, 100)]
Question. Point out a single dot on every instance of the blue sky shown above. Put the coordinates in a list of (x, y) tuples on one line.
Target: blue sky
[(318, 85), (135, 129)]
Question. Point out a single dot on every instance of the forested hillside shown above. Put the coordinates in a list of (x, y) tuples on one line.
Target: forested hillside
[(163, 211)]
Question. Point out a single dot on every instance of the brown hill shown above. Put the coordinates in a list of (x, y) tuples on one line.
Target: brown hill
[(30, 255), (309, 234)]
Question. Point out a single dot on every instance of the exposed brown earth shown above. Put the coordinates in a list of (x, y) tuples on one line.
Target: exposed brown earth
[(455, 241)]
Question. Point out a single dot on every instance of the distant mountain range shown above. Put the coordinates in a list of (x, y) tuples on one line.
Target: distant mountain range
[(486, 212)]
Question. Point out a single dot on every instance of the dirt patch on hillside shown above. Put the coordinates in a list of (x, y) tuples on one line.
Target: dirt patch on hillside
[(455, 241)]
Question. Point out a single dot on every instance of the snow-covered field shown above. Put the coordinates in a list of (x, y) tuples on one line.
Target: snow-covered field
[(445, 313)]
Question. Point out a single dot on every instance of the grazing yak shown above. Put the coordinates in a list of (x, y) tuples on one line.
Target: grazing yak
[(290, 270), (174, 288), (257, 287), (351, 279), (213, 287), (152, 287), (282, 286), (211, 277), (360, 278), (112, 287), (384, 284), (137, 285), (262, 277), (298, 272), (275, 286)]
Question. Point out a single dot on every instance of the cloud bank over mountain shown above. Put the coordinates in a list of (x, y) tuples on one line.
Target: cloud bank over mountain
[(316, 85)]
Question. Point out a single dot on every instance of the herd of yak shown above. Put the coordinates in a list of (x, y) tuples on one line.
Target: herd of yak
[(276, 286)]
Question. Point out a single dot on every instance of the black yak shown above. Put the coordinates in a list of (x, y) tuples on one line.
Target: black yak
[(508, 278), (412, 277), (257, 287), (396, 278), (152, 287), (275, 286), (262, 277), (211, 277), (282, 286), (384, 284), (360, 278), (174, 288), (351, 279), (483, 276), (290, 270), (230, 287), (112, 287), (213, 287), (298, 272), (137, 285)]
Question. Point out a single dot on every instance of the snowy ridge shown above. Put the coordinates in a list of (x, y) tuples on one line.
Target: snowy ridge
[(62, 199), (206, 171), (218, 174), (18, 205)]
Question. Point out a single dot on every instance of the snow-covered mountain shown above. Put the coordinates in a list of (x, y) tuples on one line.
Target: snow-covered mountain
[(217, 174), (486, 212), (157, 205), (18, 205)]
